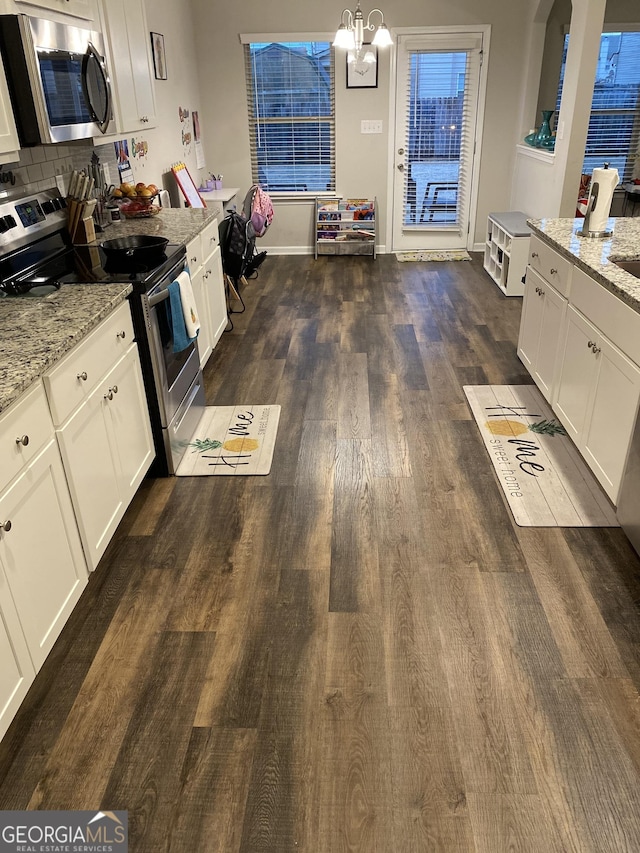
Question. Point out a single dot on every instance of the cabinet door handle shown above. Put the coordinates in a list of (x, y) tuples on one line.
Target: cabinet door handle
[(590, 344), (553, 272), (595, 350), (5, 525), (121, 334), (24, 440), (534, 254), (193, 260), (541, 292), (109, 395), (114, 388), (82, 375)]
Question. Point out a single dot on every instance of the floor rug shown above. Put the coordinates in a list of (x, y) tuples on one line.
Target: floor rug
[(232, 441), (436, 255), (545, 480)]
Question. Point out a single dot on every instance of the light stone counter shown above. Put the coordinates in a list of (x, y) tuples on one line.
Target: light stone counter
[(36, 332), (594, 256)]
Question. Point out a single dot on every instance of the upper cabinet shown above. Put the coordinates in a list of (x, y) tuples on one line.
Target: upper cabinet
[(78, 8), (127, 35), (9, 144)]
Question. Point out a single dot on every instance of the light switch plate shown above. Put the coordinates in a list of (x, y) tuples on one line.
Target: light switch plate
[(370, 126)]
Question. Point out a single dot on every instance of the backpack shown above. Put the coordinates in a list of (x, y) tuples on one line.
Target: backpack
[(234, 244), (258, 210)]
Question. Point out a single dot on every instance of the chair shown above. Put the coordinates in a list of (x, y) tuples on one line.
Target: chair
[(432, 201)]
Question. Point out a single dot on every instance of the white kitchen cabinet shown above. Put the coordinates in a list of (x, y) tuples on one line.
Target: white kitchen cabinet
[(129, 48), (105, 441), (205, 268), (16, 668), (9, 144), (42, 568), (597, 399), (543, 310), (77, 8), (40, 554)]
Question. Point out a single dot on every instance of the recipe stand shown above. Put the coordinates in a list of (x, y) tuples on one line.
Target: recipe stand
[(506, 250), (341, 229)]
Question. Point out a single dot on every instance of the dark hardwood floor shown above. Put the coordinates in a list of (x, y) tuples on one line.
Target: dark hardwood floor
[(360, 651)]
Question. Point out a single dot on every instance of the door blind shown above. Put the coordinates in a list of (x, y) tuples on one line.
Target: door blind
[(290, 88), (614, 122), (440, 109)]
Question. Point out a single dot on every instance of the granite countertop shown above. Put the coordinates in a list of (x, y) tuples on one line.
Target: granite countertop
[(594, 255), (36, 332)]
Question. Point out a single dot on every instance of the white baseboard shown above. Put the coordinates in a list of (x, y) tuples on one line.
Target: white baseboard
[(303, 250)]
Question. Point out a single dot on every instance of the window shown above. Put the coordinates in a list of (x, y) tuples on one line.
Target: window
[(614, 125), (290, 88)]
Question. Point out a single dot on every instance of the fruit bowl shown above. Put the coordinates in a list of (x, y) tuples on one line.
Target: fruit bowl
[(139, 208)]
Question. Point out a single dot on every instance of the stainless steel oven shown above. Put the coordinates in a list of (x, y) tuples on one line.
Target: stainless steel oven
[(58, 80), (177, 376)]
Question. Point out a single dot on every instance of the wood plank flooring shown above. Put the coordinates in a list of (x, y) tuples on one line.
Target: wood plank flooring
[(361, 652)]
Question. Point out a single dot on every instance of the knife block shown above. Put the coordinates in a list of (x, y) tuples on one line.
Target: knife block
[(85, 231)]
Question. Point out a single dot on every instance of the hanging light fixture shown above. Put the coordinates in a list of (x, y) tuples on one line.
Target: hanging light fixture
[(350, 33)]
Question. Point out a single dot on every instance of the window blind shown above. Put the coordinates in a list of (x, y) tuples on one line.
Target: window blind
[(440, 109), (290, 89), (614, 123)]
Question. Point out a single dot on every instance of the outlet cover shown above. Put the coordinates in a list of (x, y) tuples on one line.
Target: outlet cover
[(370, 126)]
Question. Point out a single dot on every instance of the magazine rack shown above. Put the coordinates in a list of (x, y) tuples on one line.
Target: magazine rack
[(346, 226)]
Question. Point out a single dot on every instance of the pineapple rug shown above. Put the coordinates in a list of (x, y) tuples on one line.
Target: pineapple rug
[(544, 479), (232, 441)]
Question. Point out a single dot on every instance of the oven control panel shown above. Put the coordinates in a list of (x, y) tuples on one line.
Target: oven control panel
[(26, 218)]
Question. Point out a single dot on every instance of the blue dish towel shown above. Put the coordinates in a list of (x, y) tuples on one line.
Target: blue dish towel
[(180, 338)]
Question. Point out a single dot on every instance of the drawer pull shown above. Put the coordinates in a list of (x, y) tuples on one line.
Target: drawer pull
[(114, 389), (83, 375), (595, 350), (553, 272), (590, 344), (534, 255), (193, 260), (24, 441), (121, 334), (5, 525), (109, 395)]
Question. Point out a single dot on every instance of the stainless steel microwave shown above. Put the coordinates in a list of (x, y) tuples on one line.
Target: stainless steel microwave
[(58, 80)]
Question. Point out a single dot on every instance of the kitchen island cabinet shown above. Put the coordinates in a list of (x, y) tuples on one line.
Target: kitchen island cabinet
[(587, 350)]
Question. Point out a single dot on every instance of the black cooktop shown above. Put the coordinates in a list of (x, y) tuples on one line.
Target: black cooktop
[(41, 268)]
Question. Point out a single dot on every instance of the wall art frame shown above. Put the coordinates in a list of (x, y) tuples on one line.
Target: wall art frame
[(159, 56), (362, 75)]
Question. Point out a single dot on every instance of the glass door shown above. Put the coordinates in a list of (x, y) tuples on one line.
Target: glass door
[(437, 91)]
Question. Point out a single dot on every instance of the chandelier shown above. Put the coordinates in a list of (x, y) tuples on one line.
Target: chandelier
[(350, 33)]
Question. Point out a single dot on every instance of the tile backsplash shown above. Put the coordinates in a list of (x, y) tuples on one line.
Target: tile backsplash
[(39, 166)]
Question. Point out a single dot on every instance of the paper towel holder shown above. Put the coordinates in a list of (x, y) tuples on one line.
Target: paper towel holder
[(585, 231)]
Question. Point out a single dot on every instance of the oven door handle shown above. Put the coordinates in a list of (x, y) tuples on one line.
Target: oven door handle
[(158, 297)]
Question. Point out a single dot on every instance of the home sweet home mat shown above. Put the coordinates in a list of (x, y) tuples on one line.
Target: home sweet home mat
[(232, 441), (544, 478)]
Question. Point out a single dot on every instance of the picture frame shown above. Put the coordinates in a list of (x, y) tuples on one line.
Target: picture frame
[(361, 75), (159, 56)]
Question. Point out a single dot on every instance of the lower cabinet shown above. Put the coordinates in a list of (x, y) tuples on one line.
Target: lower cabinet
[(107, 448), (16, 668), (205, 265), (40, 554), (543, 311), (597, 399)]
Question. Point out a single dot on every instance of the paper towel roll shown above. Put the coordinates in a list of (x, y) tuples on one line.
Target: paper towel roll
[(606, 180)]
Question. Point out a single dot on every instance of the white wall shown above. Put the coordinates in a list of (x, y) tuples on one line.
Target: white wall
[(362, 161)]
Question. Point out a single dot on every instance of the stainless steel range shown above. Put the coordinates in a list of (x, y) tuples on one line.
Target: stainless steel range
[(36, 259)]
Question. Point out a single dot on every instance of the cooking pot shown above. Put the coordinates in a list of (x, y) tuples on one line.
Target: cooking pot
[(137, 248)]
